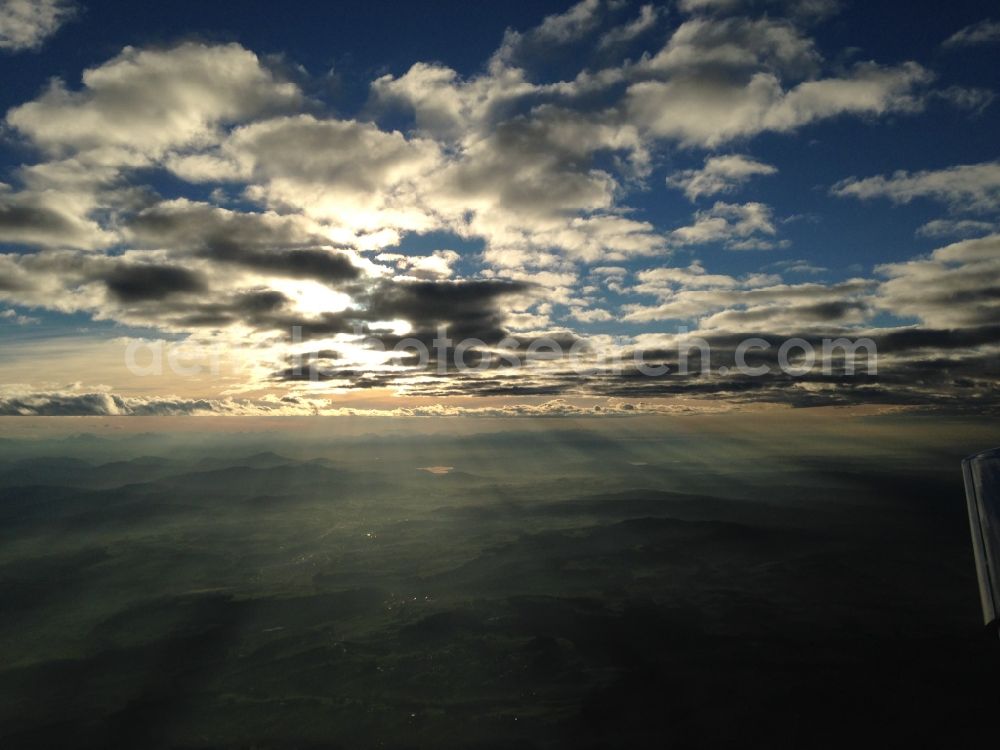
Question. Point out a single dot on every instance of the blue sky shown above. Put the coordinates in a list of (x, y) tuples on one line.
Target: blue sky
[(537, 159)]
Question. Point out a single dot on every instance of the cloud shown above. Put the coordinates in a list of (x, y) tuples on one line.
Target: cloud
[(557, 29), (139, 288), (138, 283), (689, 294), (144, 102), (800, 10), (437, 265), (450, 108), (569, 25), (22, 401), (798, 266), (134, 288), (528, 166), (957, 228), (26, 24), (468, 308), (744, 226), (721, 174), (695, 6), (984, 32), (592, 315), (703, 110), (533, 183), (49, 218), (735, 45), (74, 403), (664, 281), (349, 173), (927, 369), (956, 285), (13, 316), (974, 99), (967, 187), (646, 20), (283, 246)]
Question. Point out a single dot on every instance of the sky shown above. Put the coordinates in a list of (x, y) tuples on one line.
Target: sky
[(278, 208)]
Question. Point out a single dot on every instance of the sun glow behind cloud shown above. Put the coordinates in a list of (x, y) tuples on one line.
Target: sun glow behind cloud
[(312, 297)]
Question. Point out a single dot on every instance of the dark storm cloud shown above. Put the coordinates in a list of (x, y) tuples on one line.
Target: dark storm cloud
[(43, 218), (904, 375), (470, 309), (358, 378), (9, 284), (464, 308), (138, 283), (186, 223), (479, 319), (831, 312), (911, 339), (35, 218), (888, 341), (426, 303), (320, 265), (263, 242), (256, 308), (948, 394)]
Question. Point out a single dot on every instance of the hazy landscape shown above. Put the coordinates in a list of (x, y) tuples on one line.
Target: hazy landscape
[(582, 585)]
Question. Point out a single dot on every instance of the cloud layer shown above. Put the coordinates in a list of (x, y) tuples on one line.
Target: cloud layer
[(198, 193)]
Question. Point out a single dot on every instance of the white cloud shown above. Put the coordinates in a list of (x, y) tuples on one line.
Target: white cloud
[(144, 102), (570, 25), (968, 187), (798, 266), (721, 174), (590, 315), (51, 218), (13, 316), (26, 24), (349, 173), (532, 184), (964, 97), (663, 282), (984, 32), (610, 271), (755, 302), (710, 111), (735, 44), (746, 226), (957, 228), (646, 20), (448, 107), (437, 265), (536, 168), (559, 28)]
